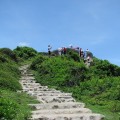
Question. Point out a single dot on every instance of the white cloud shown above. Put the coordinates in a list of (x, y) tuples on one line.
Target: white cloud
[(23, 44)]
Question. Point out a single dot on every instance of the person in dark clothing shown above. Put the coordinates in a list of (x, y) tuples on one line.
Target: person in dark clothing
[(64, 51), (49, 50)]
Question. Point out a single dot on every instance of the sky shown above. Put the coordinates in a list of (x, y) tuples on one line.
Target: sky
[(88, 24)]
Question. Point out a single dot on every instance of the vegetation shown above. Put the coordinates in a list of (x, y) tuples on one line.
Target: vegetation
[(13, 105), (97, 86), (25, 53)]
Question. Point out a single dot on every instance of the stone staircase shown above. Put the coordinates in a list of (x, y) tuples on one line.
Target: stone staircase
[(54, 104)]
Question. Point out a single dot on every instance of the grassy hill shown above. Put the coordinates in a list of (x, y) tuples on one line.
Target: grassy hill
[(98, 86), (13, 105)]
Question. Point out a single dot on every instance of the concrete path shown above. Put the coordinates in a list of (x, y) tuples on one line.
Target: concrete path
[(55, 105)]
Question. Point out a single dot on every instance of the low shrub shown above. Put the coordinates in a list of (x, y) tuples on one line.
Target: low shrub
[(6, 52), (25, 52), (14, 106), (8, 109), (37, 61), (9, 77)]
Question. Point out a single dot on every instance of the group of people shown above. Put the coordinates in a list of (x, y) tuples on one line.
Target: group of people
[(62, 51), (84, 54)]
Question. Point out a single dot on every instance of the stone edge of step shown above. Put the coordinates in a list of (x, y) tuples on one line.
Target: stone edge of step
[(78, 115)]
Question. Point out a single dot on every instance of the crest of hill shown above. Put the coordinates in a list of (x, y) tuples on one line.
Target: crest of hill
[(7, 54), (96, 85)]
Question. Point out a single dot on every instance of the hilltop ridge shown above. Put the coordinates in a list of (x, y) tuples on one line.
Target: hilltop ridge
[(98, 86)]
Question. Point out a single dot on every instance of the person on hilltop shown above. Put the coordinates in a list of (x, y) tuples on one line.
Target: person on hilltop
[(71, 46), (60, 51), (64, 51), (88, 59), (81, 53), (78, 49), (49, 50), (87, 52)]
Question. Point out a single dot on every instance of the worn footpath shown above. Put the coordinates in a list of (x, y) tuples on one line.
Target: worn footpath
[(54, 104)]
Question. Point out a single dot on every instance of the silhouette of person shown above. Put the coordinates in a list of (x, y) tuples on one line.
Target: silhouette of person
[(49, 50)]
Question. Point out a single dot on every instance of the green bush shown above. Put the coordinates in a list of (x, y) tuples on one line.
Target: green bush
[(6, 52), (77, 74), (14, 106), (9, 76), (9, 83), (8, 109), (102, 68), (3, 59), (98, 85), (73, 55), (25, 52), (115, 106), (37, 61)]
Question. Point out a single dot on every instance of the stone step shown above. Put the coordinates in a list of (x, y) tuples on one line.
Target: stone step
[(55, 105), (28, 89), (54, 94), (27, 81), (77, 116), (31, 91), (62, 111), (27, 77), (32, 94), (35, 85), (56, 99), (30, 74), (36, 89), (32, 84), (48, 91), (40, 89), (64, 105)]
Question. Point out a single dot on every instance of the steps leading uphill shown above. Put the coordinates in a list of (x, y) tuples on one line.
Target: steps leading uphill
[(54, 104)]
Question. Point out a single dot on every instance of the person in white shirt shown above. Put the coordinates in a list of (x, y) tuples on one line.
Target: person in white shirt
[(60, 51)]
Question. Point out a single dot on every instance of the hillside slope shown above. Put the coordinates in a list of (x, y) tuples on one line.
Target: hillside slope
[(13, 104), (97, 86)]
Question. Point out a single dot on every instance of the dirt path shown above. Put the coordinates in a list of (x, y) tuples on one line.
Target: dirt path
[(55, 105)]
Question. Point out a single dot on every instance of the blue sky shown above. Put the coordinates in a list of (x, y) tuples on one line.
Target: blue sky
[(92, 24)]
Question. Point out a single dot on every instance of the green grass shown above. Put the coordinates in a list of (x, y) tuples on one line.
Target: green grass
[(97, 86), (14, 106), (104, 111), (9, 76)]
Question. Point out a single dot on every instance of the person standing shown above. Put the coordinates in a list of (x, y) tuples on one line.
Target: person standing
[(81, 53), (64, 51), (49, 50), (71, 46), (60, 51), (87, 52)]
